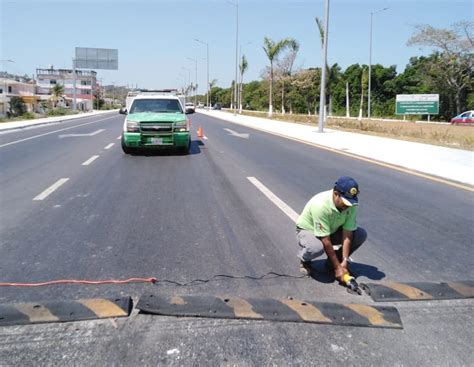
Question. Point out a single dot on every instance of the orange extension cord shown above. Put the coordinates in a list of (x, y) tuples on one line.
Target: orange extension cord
[(74, 281)]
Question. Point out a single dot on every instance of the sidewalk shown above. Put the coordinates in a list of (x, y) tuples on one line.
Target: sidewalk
[(451, 164), (5, 126)]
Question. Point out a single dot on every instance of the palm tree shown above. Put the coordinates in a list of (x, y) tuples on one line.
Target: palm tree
[(58, 91), (330, 79), (294, 47), (243, 68), (272, 50)]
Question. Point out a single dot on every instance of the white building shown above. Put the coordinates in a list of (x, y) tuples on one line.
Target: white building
[(86, 85), (18, 88)]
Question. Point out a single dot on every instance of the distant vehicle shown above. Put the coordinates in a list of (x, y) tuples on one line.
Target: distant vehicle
[(464, 118), (190, 108), (200, 105), (217, 106), (155, 119)]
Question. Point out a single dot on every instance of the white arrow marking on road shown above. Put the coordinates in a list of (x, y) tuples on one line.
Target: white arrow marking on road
[(235, 133), (74, 135), (275, 199), (51, 189)]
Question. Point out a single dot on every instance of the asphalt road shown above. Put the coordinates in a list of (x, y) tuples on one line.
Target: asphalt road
[(187, 217)]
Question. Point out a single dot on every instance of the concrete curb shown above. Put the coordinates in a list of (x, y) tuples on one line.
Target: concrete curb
[(15, 125)]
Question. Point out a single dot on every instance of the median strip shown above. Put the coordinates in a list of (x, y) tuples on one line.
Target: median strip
[(51, 189)]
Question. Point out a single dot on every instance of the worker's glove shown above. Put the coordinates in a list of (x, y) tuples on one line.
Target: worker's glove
[(339, 273)]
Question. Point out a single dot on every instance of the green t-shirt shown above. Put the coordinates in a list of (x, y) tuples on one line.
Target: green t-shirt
[(321, 216)]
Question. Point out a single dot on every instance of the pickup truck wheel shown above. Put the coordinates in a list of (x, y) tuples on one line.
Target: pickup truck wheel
[(126, 149)]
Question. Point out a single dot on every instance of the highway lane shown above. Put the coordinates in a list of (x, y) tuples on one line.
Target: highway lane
[(188, 217), (419, 230)]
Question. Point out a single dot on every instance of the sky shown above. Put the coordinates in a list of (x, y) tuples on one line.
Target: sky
[(155, 38)]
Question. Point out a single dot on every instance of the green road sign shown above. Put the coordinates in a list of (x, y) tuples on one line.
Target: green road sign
[(417, 104)]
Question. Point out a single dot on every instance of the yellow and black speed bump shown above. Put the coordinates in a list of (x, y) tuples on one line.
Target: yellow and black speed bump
[(289, 310), (81, 309), (392, 292)]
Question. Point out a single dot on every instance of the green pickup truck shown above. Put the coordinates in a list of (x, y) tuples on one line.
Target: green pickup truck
[(155, 121)]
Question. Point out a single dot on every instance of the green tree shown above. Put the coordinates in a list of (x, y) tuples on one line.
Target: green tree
[(17, 106), (272, 50), (451, 67)]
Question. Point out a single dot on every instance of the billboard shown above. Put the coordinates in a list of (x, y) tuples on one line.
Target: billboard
[(96, 58), (417, 104)]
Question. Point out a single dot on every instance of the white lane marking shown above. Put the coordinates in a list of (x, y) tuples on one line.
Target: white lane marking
[(204, 137), (235, 133), (75, 135), (275, 199), (54, 132), (109, 146), (90, 160), (119, 137), (51, 189)]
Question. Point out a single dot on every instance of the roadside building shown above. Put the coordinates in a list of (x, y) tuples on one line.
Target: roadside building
[(86, 85), (16, 86)]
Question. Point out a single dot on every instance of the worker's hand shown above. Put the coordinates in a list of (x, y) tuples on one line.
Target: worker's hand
[(345, 264), (339, 273)]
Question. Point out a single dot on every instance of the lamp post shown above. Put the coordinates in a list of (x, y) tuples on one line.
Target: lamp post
[(322, 97), (207, 58), (370, 61), (196, 77), (236, 52)]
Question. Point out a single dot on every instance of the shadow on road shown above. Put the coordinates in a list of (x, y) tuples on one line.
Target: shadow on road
[(320, 273), (195, 148)]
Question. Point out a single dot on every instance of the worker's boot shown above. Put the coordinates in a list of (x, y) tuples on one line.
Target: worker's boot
[(305, 268)]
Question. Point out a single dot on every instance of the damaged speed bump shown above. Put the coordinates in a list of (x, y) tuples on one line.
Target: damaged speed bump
[(77, 310), (419, 291), (286, 310)]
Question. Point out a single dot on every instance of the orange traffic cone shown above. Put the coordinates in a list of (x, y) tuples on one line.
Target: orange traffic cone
[(200, 134)]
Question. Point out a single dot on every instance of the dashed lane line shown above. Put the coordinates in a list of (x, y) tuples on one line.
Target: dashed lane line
[(51, 189), (275, 199), (109, 146), (53, 132), (90, 160), (119, 137)]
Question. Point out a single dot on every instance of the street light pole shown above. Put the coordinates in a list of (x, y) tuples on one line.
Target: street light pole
[(322, 97), (236, 52), (207, 58), (196, 78), (370, 62)]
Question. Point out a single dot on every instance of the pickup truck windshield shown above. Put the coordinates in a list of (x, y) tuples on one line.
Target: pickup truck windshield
[(155, 105)]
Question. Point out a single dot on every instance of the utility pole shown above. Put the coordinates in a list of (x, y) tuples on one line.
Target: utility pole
[(322, 97), (208, 87), (370, 63), (236, 54)]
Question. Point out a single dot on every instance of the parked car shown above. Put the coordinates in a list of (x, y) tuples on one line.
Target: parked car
[(464, 118), (217, 106)]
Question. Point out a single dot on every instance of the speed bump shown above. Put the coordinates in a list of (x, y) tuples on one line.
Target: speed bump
[(419, 291), (286, 310), (64, 311)]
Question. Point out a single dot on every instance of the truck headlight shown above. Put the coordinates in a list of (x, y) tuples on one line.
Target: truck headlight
[(132, 127), (181, 126)]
